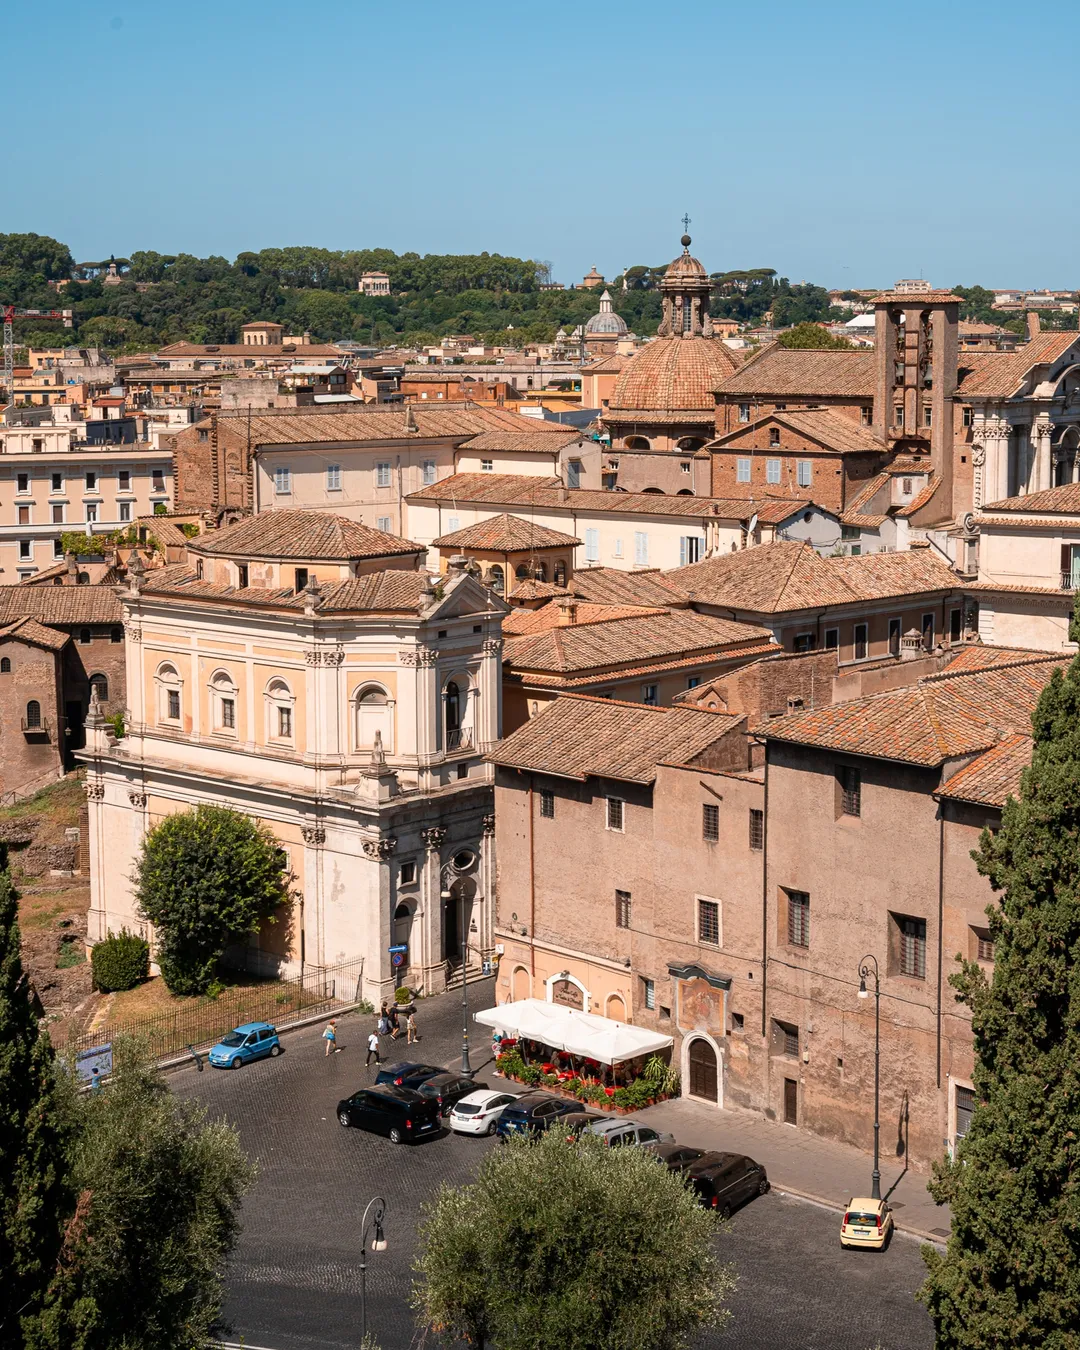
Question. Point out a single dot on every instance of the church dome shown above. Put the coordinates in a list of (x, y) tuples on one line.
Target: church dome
[(607, 323), (685, 268), (672, 374)]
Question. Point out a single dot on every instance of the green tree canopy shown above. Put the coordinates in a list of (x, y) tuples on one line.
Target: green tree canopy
[(808, 335), (206, 878), (33, 1183), (1011, 1273), (158, 1189), (35, 254), (569, 1246)]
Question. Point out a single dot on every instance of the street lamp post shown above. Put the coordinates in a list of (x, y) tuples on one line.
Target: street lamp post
[(373, 1215), (869, 966), (466, 1067)]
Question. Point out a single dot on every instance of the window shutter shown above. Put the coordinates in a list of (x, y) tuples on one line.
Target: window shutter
[(641, 546), (1066, 559), (683, 543)]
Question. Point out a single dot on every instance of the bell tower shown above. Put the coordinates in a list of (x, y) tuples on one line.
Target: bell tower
[(685, 290)]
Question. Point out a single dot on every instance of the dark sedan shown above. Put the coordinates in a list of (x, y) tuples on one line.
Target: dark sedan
[(399, 1113), (534, 1113), (676, 1157), (407, 1074), (447, 1089), (725, 1180)]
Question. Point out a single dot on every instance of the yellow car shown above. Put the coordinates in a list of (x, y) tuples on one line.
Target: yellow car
[(866, 1223)]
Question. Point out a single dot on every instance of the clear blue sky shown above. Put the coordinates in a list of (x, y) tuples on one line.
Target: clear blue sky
[(844, 143)]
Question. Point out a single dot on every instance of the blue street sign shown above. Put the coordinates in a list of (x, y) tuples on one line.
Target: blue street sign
[(401, 947), (100, 1058), (398, 959)]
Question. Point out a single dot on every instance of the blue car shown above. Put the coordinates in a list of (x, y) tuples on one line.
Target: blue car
[(254, 1040)]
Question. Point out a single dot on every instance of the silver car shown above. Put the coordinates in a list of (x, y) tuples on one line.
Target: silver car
[(616, 1132)]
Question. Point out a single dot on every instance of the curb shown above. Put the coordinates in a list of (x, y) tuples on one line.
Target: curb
[(906, 1229), (179, 1061)]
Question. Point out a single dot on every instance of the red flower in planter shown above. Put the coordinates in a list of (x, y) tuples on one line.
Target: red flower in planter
[(610, 1091)]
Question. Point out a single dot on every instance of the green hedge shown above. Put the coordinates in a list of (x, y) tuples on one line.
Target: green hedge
[(120, 961)]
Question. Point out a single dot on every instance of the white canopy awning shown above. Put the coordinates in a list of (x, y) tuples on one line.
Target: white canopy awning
[(580, 1033)]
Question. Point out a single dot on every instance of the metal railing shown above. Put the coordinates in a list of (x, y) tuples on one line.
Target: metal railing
[(202, 1024), (38, 728), (459, 739), (1069, 581)]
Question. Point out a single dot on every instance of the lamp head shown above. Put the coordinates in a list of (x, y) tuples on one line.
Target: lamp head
[(862, 986), (378, 1242)]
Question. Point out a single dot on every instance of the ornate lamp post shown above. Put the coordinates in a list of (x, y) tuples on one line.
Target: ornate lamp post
[(869, 966), (466, 1067), (373, 1215)]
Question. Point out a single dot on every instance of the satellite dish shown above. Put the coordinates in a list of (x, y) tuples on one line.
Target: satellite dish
[(753, 524)]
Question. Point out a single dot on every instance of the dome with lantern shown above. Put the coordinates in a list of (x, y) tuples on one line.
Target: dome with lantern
[(607, 323)]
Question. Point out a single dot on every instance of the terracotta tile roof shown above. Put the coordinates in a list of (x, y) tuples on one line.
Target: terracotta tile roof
[(578, 737), (1063, 500), (531, 589), (29, 630), (389, 590), (164, 530), (778, 371), (640, 636), (606, 365), (669, 374), (46, 574), (903, 298), (60, 605), (994, 777), (940, 717), (831, 429), (519, 622), (311, 426), (607, 586), (979, 655), (876, 576), (1002, 373), (301, 534), (393, 589), (525, 442), (506, 534), (296, 350), (993, 587), (521, 490), (862, 520), (868, 491)]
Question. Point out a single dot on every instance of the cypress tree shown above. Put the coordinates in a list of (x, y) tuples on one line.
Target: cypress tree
[(1011, 1271), (33, 1194)]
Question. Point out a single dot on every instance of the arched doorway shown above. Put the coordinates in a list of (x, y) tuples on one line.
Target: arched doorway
[(520, 984), (403, 937), (457, 918), (615, 1008), (703, 1078)]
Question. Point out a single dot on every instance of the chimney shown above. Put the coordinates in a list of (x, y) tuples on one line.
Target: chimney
[(567, 611), (72, 565), (1034, 327), (911, 645)]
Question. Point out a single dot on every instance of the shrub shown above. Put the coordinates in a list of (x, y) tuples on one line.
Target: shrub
[(530, 1075), (403, 995), (120, 961)]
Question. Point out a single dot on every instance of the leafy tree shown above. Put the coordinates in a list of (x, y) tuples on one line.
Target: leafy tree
[(158, 1188), (206, 878), (809, 335), (1011, 1272), (569, 1246), (36, 254), (32, 1174)]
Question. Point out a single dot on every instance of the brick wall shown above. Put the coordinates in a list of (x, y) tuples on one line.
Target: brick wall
[(26, 761), (727, 407)]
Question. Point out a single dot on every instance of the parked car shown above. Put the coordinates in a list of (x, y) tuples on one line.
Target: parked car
[(479, 1112), (445, 1089), (676, 1157), (399, 1113), (253, 1040), (866, 1223), (577, 1121), (725, 1180), (406, 1074), (617, 1131), (533, 1113)]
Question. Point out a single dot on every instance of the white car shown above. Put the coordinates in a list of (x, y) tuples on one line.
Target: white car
[(478, 1112)]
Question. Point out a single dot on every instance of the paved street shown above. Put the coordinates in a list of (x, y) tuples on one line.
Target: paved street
[(294, 1283)]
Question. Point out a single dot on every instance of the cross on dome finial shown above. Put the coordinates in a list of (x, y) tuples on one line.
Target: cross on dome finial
[(686, 225)]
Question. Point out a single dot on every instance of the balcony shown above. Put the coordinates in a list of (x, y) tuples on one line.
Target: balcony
[(459, 739), (36, 730), (1069, 581)]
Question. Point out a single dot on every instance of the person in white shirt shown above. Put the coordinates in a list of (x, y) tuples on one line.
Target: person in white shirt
[(373, 1049)]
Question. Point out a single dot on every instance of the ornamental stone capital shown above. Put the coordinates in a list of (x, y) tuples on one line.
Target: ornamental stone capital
[(489, 824), (1043, 427), (492, 646), (132, 632), (379, 848), (313, 835), (324, 656), (137, 799), (95, 789), (433, 838)]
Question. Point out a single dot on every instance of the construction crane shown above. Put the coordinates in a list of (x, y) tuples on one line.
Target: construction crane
[(11, 313)]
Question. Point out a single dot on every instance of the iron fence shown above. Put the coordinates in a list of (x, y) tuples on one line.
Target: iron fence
[(201, 1024)]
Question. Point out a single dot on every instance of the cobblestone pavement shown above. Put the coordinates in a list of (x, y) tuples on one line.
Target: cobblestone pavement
[(294, 1283)]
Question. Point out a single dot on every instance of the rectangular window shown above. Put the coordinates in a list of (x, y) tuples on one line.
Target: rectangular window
[(592, 545), (284, 722), (547, 804), (22, 482), (894, 637), (968, 417), (174, 705), (453, 523), (928, 631), (487, 465), (382, 475), (757, 830), (333, 478), (25, 550), (867, 416), (790, 1040), (282, 480), (24, 515), (898, 416), (956, 619), (928, 416), (805, 472), (228, 713), (689, 549), (692, 681), (742, 471), (91, 481), (615, 813), (407, 875), (58, 482), (965, 1109), (573, 473), (58, 548), (428, 472), (744, 412), (242, 575), (804, 642), (204, 435), (623, 907), (774, 435), (832, 639), (798, 918), (984, 944), (850, 781), (648, 994), (911, 943), (710, 823), (125, 512), (708, 922), (641, 548), (123, 480), (685, 466), (649, 694), (862, 642), (91, 512), (300, 579), (383, 523), (772, 471), (157, 480)]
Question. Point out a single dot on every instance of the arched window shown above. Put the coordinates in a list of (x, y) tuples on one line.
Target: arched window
[(84, 636), (452, 695), (373, 714), (685, 492), (659, 491), (279, 711), (690, 443), (637, 443), (540, 571), (559, 575), (5, 665), (33, 715), (223, 700), (522, 572), (169, 686), (101, 684), (497, 579)]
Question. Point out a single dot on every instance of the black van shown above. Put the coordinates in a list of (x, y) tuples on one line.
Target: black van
[(399, 1113), (724, 1180)]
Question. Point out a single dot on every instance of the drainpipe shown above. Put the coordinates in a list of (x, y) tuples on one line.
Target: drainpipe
[(765, 894), (532, 891), (940, 924)]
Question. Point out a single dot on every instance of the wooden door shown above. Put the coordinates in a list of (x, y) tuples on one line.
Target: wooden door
[(791, 1102), (703, 1075)]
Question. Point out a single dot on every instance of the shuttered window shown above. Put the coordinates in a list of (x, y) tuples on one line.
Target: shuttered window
[(913, 948), (592, 545), (641, 547), (798, 924)]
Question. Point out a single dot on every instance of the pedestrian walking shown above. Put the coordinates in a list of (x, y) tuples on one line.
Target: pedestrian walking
[(373, 1049), (410, 1026), (95, 1080), (395, 1030), (330, 1037)]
